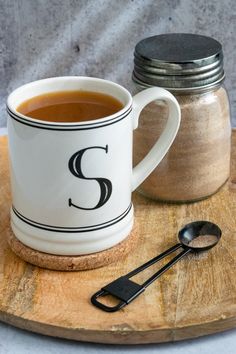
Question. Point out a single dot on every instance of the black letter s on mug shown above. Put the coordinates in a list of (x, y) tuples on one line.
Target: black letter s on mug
[(104, 183)]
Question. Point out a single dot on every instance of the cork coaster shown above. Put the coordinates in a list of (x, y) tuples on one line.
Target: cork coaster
[(72, 263)]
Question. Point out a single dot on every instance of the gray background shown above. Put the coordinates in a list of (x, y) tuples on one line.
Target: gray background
[(43, 38)]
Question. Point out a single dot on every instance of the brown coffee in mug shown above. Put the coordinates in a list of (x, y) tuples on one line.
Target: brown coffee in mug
[(70, 106)]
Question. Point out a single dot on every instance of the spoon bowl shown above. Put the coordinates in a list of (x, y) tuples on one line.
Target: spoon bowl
[(199, 235)]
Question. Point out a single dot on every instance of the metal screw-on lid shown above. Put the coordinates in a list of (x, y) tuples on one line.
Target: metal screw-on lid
[(178, 62)]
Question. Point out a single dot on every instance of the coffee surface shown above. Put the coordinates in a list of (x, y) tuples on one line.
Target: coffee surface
[(70, 106)]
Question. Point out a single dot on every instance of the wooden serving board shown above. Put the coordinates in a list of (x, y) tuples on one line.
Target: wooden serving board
[(194, 298)]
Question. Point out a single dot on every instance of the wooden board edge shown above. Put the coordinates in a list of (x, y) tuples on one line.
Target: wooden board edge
[(121, 337)]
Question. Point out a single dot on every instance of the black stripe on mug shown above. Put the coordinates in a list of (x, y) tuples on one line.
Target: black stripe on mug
[(71, 229), (68, 127)]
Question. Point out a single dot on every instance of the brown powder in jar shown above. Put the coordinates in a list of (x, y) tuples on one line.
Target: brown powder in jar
[(197, 164), (203, 241)]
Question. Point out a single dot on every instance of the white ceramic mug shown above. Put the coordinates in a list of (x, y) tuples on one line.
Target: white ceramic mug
[(72, 182)]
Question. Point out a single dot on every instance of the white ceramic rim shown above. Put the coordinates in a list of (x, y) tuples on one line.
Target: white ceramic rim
[(11, 105)]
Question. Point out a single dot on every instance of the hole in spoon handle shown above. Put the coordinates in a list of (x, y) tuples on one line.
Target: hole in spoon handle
[(166, 267)]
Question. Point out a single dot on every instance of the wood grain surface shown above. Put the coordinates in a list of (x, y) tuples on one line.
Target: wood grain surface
[(194, 298)]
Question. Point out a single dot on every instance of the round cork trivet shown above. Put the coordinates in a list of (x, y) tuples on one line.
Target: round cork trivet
[(73, 263)]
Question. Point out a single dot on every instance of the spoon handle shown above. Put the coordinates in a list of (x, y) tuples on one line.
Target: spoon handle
[(165, 267), (154, 260), (126, 290)]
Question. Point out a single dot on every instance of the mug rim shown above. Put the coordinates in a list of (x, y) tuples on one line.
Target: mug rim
[(107, 120)]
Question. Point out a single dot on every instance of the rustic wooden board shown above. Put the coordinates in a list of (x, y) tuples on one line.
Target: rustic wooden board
[(196, 297)]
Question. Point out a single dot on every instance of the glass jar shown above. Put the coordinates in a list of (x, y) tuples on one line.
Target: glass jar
[(198, 162)]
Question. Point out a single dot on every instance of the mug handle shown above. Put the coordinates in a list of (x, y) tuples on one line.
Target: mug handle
[(159, 150)]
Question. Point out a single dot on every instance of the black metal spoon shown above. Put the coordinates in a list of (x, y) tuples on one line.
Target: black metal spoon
[(195, 237)]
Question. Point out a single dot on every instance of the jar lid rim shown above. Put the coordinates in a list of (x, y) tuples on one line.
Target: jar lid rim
[(181, 89)]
